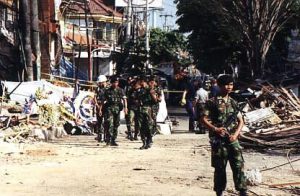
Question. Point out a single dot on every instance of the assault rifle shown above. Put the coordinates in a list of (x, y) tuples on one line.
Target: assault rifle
[(233, 117)]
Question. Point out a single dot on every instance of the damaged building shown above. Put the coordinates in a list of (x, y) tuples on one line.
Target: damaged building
[(9, 41)]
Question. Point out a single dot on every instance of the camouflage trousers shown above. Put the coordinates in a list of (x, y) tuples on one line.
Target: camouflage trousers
[(132, 121), (154, 113), (221, 154), (99, 124), (146, 123), (112, 122)]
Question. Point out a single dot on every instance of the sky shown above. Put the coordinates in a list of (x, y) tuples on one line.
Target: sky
[(170, 9)]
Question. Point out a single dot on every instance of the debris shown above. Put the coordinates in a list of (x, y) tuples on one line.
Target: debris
[(284, 184), (253, 177), (277, 125)]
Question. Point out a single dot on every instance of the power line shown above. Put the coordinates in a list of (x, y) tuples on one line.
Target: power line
[(165, 26)]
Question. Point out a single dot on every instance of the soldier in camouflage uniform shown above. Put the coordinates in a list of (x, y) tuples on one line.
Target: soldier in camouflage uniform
[(115, 101), (155, 103), (99, 102), (146, 121), (132, 114), (224, 140)]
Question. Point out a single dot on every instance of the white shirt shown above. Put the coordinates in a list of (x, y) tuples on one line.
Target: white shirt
[(201, 95)]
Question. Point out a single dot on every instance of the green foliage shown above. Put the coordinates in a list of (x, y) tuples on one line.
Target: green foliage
[(216, 40), (212, 40), (165, 46)]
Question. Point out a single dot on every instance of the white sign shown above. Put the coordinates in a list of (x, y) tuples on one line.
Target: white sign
[(139, 3)]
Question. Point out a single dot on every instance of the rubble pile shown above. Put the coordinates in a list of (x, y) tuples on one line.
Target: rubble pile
[(276, 125), (16, 127)]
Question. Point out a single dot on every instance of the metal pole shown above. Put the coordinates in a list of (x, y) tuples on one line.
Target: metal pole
[(128, 31), (147, 36), (90, 66), (36, 37)]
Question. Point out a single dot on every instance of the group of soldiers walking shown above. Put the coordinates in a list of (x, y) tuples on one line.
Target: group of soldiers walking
[(140, 102)]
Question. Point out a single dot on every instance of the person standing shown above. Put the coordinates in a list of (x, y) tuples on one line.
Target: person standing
[(132, 114), (99, 102), (155, 103), (224, 137), (115, 101), (214, 89), (188, 97), (146, 121), (199, 104)]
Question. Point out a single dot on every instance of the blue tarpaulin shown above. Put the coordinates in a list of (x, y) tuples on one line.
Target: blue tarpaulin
[(66, 69)]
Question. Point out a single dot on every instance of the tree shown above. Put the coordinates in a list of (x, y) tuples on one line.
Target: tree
[(258, 22), (211, 40), (233, 31), (165, 46)]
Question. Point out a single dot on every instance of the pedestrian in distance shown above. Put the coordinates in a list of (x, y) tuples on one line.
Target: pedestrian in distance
[(201, 98), (222, 118), (187, 100)]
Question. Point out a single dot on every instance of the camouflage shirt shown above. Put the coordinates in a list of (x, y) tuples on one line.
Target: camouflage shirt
[(113, 97), (100, 94), (218, 110), (132, 99), (144, 96)]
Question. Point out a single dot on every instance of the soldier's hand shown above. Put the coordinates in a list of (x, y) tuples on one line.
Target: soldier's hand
[(233, 137), (221, 131), (125, 111), (100, 113)]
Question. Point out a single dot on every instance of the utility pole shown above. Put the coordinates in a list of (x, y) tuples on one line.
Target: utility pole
[(147, 35), (165, 27), (128, 31), (36, 37), (90, 66), (25, 14)]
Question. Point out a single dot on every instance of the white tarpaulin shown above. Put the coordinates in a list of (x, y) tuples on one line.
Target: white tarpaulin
[(56, 93), (140, 3)]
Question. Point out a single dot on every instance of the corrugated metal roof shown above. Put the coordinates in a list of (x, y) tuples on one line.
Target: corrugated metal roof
[(95, 7)]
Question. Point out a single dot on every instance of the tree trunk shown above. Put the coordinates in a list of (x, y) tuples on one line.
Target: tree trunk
[(36, 37), (27, 41)]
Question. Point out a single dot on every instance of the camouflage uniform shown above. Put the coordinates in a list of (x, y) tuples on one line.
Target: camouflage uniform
[(146, 121), (113, 107), (222, 149), (132, 115), (155, 108), (100, 102)]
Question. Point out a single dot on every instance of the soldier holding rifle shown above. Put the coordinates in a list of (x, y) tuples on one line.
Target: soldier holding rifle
[(224, 137)]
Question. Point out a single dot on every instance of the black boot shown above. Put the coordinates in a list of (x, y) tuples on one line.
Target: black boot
[(113, 142), (219, 193), (135, 136), (130, 136), (149, 143), (143, 146), (243, 192)]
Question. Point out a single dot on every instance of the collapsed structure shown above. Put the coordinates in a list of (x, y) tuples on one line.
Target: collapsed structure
[(276, 124)]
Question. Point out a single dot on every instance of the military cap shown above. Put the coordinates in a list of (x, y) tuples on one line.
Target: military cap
[(114, 79), (224, 80), (153, 78)]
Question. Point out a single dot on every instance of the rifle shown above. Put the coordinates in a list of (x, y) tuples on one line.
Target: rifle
[(233, 117)]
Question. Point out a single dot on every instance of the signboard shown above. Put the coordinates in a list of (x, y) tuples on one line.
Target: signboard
[(139, 3)]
